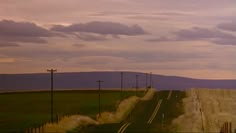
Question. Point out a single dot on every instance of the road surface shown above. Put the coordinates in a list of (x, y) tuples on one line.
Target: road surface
[(154, 115)]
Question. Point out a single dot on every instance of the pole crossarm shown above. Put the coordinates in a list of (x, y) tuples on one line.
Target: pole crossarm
[(100, 81), (51, 70)]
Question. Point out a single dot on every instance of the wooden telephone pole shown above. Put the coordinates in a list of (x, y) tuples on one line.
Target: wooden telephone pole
[(121, 85), (150, 79), (52, 72), (146, 80), (136, 85), (99, 97)]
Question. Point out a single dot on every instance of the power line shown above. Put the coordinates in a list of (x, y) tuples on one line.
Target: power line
[(52, 72)]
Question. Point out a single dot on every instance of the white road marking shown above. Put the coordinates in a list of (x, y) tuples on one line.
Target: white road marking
[(155, 112), (123, 127), (168, 98)]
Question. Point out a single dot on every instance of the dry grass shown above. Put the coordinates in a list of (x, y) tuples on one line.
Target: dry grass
[(217, 106)]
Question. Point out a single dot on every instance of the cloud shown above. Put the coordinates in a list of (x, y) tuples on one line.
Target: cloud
[(225, 41), (114, 13), (23, 39), (91, 37), (79, 45), (148, 17), (228, 26), (133, 56), (174, 13), (8, 44), (12, 31), (163, 16), (11, 28), (132, 13), (188, 5), (199, 34), (103, 28), (161, 39), (7, 60)]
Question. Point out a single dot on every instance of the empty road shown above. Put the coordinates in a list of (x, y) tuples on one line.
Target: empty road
[(154, 115)]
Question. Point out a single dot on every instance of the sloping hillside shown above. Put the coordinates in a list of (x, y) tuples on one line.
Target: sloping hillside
[(81, 80)]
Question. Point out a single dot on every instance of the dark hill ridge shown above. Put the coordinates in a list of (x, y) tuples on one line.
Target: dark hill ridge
[(83, 80)]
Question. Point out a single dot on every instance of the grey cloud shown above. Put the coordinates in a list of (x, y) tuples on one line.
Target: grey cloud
[(12, 31), (103, 28), (160, 39), (148, 17), (225, 41), (163, 16), (12, 28), (228, 26), (199, 34), (91, 37), (23, 39)]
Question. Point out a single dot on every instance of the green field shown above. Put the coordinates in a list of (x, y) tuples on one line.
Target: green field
[(22, 110)]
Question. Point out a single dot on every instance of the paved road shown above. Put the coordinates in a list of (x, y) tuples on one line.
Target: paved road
[(147, 116)]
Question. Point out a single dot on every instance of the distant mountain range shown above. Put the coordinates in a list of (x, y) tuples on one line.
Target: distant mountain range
[(87, 80)]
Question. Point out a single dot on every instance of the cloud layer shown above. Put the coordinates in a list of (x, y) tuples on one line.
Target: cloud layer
[(8, 44), (228, 26), (199, 34), (19, 29), (103, 28), (12, 32)]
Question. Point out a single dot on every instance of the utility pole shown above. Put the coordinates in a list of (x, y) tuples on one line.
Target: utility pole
[(121, 85), (136, 85), (99, 97), (146, 80), (150, 79), (52, 72), (163, 116)]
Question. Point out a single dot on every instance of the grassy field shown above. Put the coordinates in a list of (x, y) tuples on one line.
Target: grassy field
[(22, 110)]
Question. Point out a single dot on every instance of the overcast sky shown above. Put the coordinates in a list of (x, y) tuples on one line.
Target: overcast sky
[(192, 38)]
